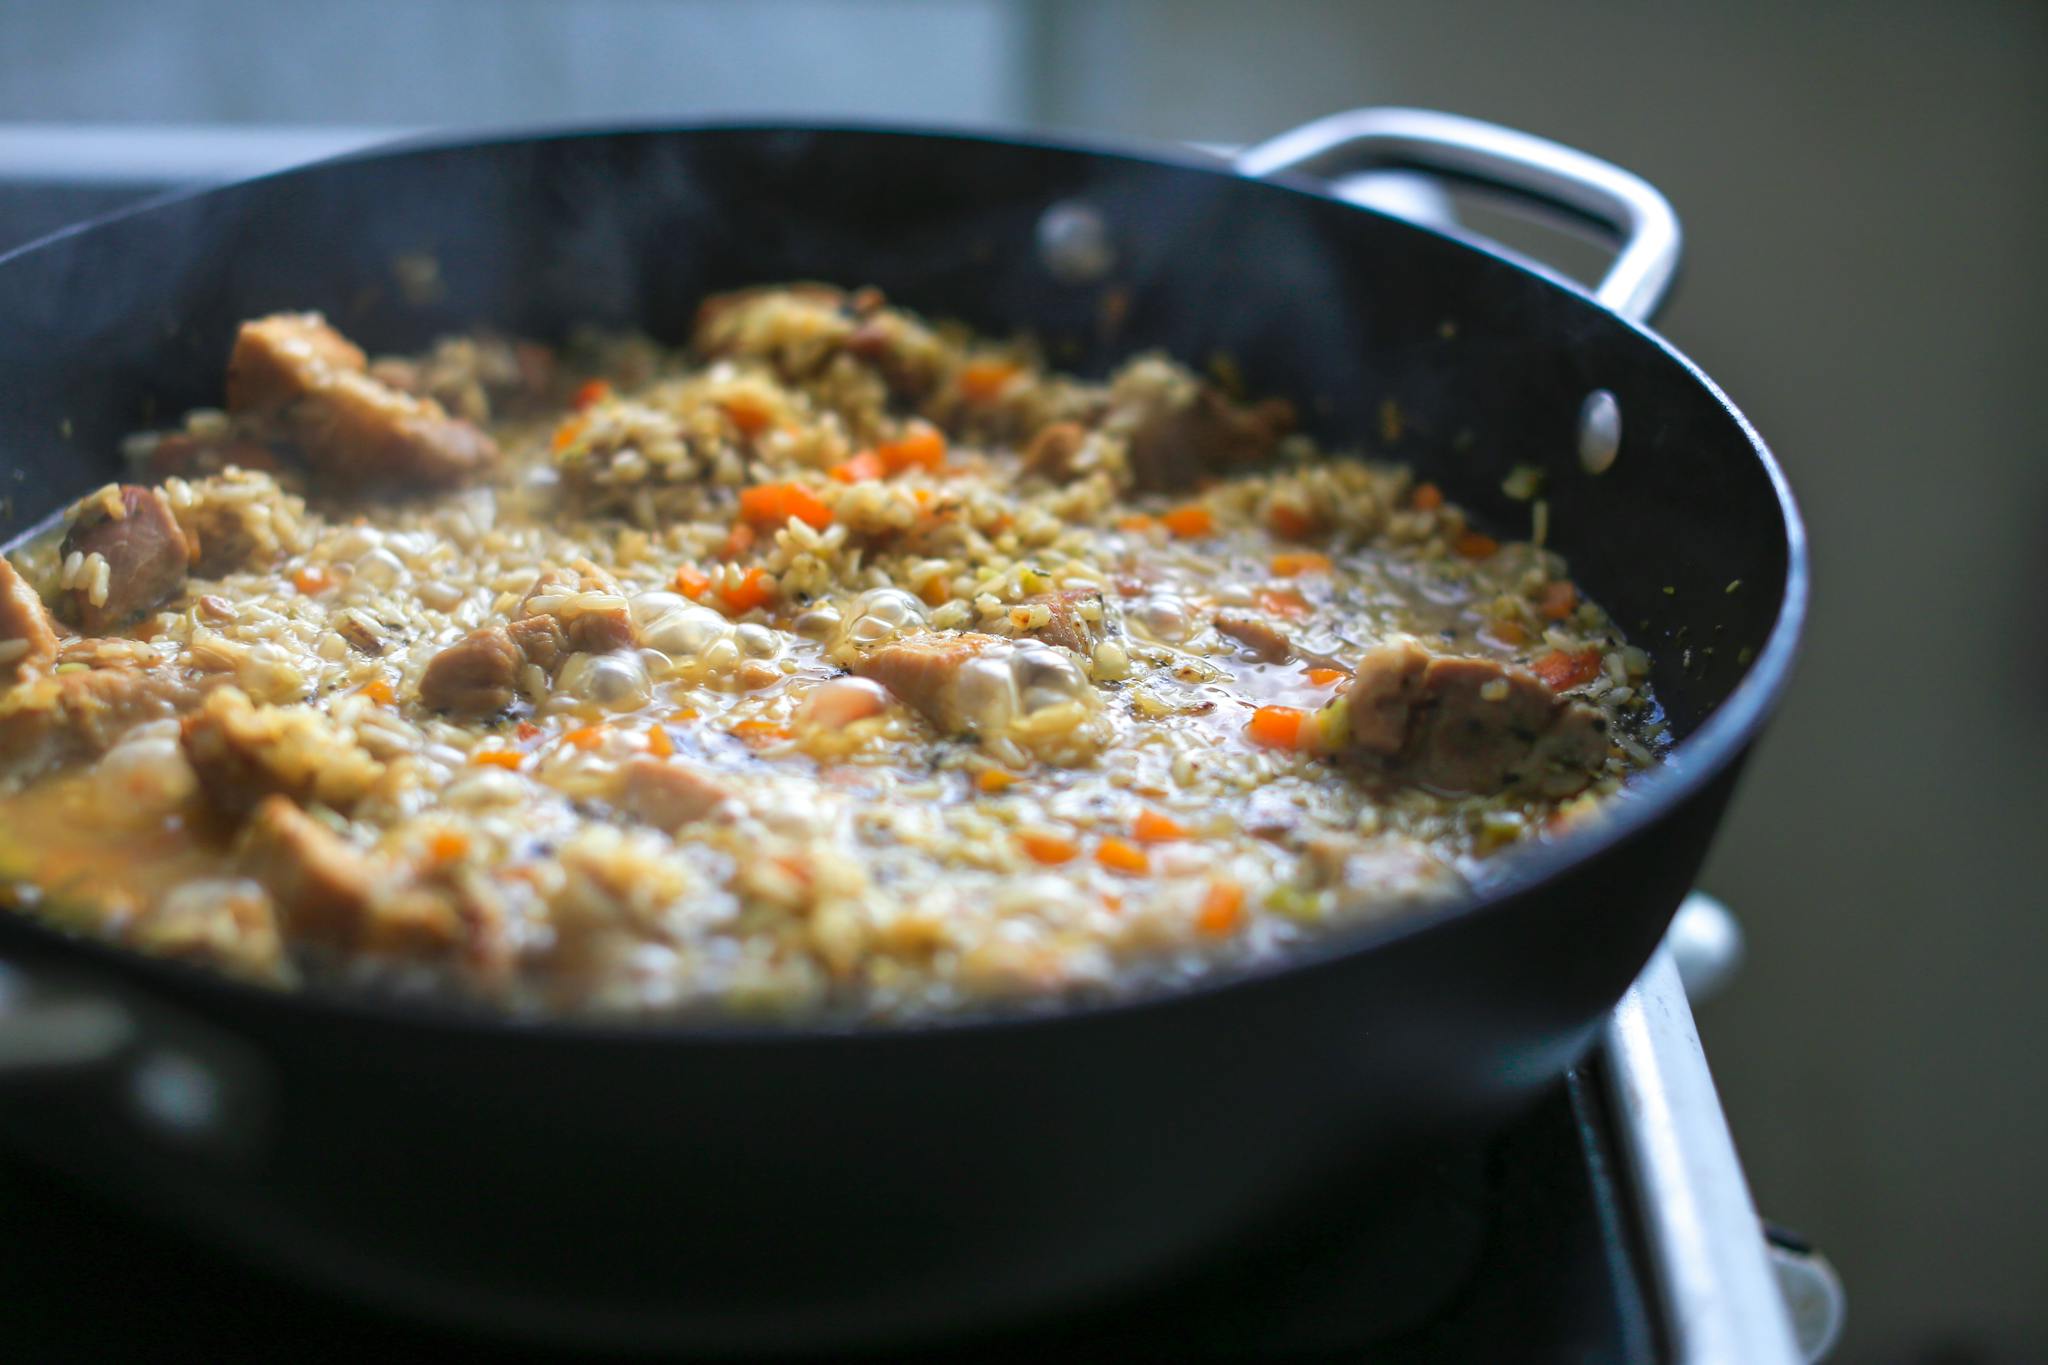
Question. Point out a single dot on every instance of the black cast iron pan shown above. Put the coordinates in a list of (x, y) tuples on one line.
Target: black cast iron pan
[(736, 1189)]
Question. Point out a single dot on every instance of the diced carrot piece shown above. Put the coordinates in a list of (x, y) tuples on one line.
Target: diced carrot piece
[(1121, 855), (1050, 849), (1282, 601), (1293, 565), (1277, 727), (379, 691), (447, 845), (1560, 599), (771, 505), (762, 504), (993, 780), (585, 736), (1562, 671), (738, 541), (922, 446), (1427, 497), (935, 592), (658, 742), (497, 758), (1508, 634), (312, 580), (591, 394), (526, 731), (983, 381), (761, 731), (748, 413), (1291, 522), (691, 581), (1222, 908), (1324, 677), (752, 591), (1153, 828), (566, 434), (862, 468), (1476, 545), (1136, 521), (924, 498), (1189, 521)]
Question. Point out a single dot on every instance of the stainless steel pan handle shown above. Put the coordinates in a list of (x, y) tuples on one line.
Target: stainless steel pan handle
[(1448, 144)]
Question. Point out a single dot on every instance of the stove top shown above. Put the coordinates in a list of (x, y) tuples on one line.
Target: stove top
[(1525, 1243)]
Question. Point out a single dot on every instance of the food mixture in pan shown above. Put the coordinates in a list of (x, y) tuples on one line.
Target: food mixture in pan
[(838, 662)]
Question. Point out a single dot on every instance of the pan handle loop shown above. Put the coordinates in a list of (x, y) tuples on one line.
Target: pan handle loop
[(1449, 144)]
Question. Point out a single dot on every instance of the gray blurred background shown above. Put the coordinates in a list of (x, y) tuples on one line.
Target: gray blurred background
[(1864, 195)]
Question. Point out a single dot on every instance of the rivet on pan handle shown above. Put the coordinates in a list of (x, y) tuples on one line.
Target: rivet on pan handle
[(1449, 144)]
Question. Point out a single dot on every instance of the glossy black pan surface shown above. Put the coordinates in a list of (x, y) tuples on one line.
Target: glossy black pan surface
[(745, 1189)]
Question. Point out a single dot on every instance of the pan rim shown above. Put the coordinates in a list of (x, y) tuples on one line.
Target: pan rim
[(1721, 739)]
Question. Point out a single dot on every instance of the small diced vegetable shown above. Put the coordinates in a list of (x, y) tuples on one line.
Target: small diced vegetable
[(1050, 849), (862, 468), (1560, 599), (1222, 908), (771, 505), (691, 581), (1282, 602), (1296, 563), (754, 590), (922, 446), (1277, 727), (983, 381), (1562, 671), (1151, 827), (1476, 545), (1121, 855)]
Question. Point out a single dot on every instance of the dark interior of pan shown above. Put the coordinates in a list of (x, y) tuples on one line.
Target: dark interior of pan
[(734, 1189)]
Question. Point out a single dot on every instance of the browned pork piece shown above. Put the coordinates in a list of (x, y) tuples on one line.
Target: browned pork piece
[(1269, 644), (1469, 725), (298, 372), (144, 550), (478, 675), (1266, 643), (243, 752), (1177, 441), (586, 605), (974, 684), (925, 673), (51, 717), (567, 611), (28, 638), (329, 894), (1055, 451), (1071, 626), (227, 536), (668, 794)]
